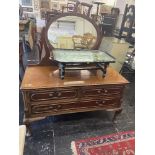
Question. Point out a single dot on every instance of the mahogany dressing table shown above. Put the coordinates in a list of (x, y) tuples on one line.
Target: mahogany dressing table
[(46, 94)]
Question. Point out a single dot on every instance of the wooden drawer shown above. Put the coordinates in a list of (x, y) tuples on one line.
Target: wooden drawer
[(76, 106), (104, 91), (52, 95)]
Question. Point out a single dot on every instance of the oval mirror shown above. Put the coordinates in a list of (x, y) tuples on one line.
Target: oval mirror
[(72, 32)]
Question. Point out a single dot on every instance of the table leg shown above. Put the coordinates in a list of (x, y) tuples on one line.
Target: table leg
[(116, 114), (62, 70), (28, 129), (103, 68)]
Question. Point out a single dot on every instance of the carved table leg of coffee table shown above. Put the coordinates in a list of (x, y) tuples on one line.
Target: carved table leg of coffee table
[(61, 70), (116, 114), (103, 68)]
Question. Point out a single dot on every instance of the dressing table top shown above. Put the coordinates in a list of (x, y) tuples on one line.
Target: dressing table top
[(46, 77)]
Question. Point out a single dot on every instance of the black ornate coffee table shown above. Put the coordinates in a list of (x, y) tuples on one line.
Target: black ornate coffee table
[(81, 60)]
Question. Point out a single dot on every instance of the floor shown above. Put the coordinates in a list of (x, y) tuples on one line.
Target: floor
[(53, 135)]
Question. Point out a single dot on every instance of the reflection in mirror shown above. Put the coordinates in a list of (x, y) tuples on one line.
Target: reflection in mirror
[(72, 32)]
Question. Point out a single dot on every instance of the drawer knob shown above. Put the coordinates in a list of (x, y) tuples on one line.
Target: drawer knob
[(105, 91), (99, 91), (59, 106), (100, 104), (59, 94), (103, 101), (50, 94)]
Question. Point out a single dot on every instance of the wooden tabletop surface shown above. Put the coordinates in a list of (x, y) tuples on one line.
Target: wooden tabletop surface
[(39, 77)]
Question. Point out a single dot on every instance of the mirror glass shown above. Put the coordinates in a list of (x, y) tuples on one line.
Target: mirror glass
[(72, 32)]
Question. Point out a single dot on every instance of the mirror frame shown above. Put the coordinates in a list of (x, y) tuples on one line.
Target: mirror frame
[(98, 37), (49, 48)]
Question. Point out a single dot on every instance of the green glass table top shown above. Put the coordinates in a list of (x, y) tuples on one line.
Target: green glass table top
[(66, 56)]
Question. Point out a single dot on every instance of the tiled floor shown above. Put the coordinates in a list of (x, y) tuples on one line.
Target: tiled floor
[(53, 135)]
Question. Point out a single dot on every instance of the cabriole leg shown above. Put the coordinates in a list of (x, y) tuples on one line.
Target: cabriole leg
[(116, 114), (28, 128)]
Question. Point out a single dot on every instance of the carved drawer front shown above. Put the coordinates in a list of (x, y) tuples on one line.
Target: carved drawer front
[(92, 92), (108, 103), (53, 108), (52, 95), (112, 91), (104, 91)]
